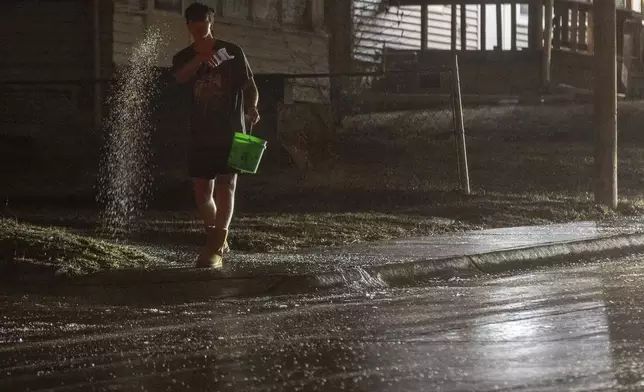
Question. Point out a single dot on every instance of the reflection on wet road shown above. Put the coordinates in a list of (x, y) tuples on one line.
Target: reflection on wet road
[(574, 328)]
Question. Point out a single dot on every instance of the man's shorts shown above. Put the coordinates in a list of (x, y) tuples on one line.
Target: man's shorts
[(208, 161)]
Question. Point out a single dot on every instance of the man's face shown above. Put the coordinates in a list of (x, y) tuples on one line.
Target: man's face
[(199, 29)]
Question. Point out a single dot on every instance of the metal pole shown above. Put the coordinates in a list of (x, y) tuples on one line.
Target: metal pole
[(459, 128), (606, 102)]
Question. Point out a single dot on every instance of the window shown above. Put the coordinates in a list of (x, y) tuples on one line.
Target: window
[(139, 5), (236, 9), (266, 10), (214, 4), (524, 9), (294, 12), (169, 5)]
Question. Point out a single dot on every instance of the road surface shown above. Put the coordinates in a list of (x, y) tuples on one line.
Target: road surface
[(570, 328)]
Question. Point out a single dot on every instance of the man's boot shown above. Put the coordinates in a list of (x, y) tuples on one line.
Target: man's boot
[(213, 253)]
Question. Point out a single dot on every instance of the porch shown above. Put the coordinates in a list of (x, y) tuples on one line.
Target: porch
[(558, 54)]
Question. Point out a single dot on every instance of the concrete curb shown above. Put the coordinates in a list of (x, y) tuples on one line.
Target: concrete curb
[(558, 253), (197, 282), (512, 259)]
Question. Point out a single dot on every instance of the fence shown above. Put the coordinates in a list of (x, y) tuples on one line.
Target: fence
[(46, 128), (371, 105)]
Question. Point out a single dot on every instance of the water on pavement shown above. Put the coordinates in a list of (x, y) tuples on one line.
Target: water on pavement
[(572, 328)]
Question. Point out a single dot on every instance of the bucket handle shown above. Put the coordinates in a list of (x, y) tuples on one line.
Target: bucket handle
[(249, 126)]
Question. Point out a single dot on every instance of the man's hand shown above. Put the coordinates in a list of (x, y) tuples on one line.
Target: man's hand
[(253, 115), (205, 52), (209, 60)]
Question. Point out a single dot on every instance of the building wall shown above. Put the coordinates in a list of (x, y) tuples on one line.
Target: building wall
[(129, 21), (292, 45), (506, 22), (46, 40), (278, 37), (376, 27), (42, 42)]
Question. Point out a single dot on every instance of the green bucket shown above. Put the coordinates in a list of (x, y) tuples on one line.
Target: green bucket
[(246, 153)]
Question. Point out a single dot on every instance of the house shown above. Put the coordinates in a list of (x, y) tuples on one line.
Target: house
[(56, 57), (501, 44), (522, 15), (279, 36), (378, 28)]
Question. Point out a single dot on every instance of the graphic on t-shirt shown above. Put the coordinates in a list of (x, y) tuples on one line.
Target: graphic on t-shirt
[(210, 91), (217, 105), (210, 87), (222, 55)]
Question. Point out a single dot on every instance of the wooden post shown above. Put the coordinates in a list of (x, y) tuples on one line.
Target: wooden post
[(483, 27), (499, 27), (547, 43), (98, 96), (459, 127), (637, 42), (341, 43), (574, 28), (463, 27), (317, 13), (535, 26), (606, 102), (454, 27), (513, 26), (423, 30)]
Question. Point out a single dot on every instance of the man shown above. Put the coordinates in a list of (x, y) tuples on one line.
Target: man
[(222, 88)]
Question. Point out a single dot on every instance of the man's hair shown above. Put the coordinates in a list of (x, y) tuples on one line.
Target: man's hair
[(198, 12)]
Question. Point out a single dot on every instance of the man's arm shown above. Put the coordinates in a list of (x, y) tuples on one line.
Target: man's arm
[(187, 71), (251, 94)]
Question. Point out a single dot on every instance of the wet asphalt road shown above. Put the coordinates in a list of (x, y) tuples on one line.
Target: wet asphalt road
[(573, 328)]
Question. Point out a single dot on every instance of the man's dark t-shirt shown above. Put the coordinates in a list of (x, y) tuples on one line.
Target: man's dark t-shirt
[(217, 109)]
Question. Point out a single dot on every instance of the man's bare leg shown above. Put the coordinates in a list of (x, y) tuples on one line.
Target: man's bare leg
[(203, 191), (217, 213), (225, 186)]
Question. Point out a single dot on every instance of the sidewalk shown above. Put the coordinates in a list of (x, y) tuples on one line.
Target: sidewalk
[(485, 241), (397, 262)]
